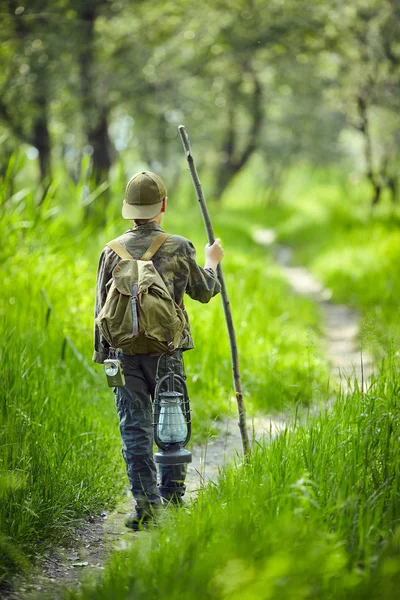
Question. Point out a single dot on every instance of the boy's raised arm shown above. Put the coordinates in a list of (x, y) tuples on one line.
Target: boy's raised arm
[(202, 283)]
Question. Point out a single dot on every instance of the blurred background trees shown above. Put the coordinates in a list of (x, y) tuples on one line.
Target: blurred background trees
[(109, 81)]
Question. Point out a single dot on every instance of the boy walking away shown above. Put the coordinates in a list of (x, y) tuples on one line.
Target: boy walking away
[(174, 257)]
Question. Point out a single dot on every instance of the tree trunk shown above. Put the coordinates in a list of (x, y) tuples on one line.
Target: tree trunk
[(364, 129), (100, 141), (39, 103), (233, 161), (95, 113), (377, 194), (393, 186), (41, 135), (227, 168)]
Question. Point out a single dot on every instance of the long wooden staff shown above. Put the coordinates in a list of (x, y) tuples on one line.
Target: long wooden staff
[(225, 300)]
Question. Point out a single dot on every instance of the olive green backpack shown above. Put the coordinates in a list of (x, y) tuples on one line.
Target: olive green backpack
[(139, 315)]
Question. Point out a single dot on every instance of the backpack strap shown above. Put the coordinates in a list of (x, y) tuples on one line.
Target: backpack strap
[(148, 255), (154, 246), (119, 249)]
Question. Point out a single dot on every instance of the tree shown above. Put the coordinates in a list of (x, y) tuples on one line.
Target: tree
[(367, 44), (24, 104), (93, 89)]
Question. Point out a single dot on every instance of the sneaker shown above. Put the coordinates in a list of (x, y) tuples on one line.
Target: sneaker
[(144, 517), (140, 523)]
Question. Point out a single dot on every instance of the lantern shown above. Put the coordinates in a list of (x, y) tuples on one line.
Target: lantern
[(172, 425)]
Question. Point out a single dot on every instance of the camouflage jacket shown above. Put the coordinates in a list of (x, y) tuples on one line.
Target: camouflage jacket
[(176, 263)]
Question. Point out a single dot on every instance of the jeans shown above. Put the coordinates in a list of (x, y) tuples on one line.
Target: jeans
[(134, 407)]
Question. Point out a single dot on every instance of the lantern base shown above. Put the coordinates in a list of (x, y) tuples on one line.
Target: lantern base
[(176, 456)]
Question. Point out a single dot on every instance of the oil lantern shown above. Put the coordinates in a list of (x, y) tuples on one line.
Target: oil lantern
[(172, 424)]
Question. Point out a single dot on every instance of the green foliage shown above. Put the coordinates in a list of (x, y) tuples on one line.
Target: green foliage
[(307, 517), (108, 79)]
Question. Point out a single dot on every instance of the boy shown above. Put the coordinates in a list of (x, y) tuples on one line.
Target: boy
[(145, 203)]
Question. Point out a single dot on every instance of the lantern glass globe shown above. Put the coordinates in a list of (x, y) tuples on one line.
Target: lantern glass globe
[(172, 426)]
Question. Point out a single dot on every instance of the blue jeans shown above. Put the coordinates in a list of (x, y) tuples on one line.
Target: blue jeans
[(134, 407)]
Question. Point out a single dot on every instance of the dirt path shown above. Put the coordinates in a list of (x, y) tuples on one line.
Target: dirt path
[(340, 323), (105, 533)]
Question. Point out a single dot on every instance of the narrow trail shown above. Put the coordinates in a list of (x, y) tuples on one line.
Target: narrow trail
[(105, 533), (340, 323)]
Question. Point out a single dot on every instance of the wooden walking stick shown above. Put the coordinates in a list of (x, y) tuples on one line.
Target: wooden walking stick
[(225, 300)]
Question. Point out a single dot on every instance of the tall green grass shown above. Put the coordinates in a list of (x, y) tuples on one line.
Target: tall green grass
[(310, 515), (59, 441), (59, 446)]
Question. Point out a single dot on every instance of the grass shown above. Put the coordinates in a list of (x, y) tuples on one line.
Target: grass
[(59, 457), (311, 515), (59, 442)]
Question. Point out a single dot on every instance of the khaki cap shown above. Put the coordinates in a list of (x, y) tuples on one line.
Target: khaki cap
[(143, 196)]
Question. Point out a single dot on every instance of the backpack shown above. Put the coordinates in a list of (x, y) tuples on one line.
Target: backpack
[(139, 315)]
